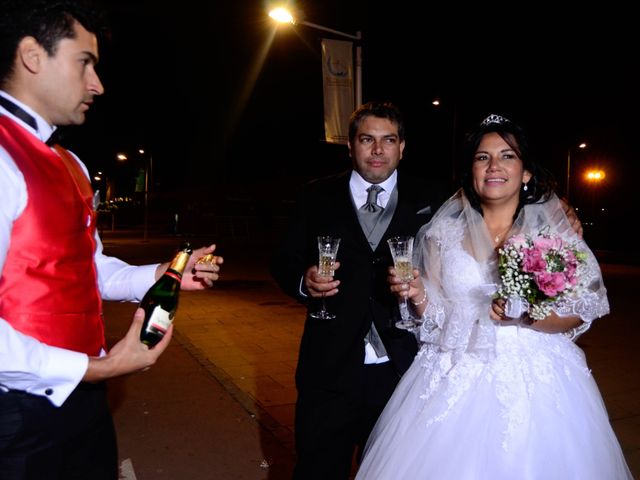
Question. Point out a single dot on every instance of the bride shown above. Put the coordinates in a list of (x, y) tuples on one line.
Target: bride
[(488, 396)]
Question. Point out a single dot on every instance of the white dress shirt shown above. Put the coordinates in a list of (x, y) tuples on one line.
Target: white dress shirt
[(26, 363), (358, 187)]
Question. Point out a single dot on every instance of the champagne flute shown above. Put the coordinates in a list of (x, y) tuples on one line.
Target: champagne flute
[(328, 250), (402, 253)]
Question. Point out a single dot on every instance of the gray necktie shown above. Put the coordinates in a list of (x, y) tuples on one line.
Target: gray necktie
[(370, 211)]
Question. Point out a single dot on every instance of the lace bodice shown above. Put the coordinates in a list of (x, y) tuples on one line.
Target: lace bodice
[(460, 272)]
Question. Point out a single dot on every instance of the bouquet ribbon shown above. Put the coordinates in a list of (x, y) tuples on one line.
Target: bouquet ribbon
[(515, 307)]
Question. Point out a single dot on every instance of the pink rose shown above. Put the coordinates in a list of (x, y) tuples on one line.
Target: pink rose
[(548, 243), (571, 265), (551, 284), (533, 260)]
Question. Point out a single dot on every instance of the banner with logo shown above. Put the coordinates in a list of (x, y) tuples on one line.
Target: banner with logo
[(337, 81)]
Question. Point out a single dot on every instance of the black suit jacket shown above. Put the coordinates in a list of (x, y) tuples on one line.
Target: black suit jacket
[(332, 351)]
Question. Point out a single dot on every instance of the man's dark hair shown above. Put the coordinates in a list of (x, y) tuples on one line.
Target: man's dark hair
[(376, 109), (48, 21)]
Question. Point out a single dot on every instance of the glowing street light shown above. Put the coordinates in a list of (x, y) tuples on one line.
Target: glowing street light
[(595, 176), (282, 15)]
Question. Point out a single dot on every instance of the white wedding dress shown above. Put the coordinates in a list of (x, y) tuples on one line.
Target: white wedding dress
[(489, 402)]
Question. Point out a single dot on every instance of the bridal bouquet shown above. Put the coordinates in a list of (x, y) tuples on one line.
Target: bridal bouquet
[(537, 271)]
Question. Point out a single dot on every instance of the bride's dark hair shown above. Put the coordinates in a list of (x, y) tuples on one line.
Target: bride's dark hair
[(540, 186)]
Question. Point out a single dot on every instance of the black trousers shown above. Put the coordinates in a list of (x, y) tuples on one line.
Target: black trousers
[(331, 426), (41, 441)]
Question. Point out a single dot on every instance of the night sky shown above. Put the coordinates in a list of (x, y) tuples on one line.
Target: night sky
[(227, 102)]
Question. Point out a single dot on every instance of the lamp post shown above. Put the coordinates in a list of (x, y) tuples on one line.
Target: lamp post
[(437, 103), (282, 15), (568, 187), (594, 176), (148, 174)]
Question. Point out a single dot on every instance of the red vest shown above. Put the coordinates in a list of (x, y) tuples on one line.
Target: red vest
[(48, 287)]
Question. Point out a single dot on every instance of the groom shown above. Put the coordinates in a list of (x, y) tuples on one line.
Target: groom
[(349, 366)]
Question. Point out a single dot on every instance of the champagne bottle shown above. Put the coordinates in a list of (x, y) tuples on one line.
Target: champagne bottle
[(161, 300)]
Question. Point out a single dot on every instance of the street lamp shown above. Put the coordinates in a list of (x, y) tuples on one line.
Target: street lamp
[(283, 15), (437, 103), (595, 176), (581, 146), (148, 173)]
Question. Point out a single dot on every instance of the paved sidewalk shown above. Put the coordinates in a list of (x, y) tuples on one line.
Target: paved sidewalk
[(177, 421), (221, 399)]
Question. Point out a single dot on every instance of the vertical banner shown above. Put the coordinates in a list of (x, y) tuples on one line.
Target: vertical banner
[(337, 82)]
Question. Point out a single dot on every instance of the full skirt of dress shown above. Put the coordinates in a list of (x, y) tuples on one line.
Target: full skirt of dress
[(531, 412)]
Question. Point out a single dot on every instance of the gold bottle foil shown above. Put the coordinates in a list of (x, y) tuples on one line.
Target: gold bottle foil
[(209, 258)]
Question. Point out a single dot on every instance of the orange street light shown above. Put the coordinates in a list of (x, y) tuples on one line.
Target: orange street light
[(595, 176)]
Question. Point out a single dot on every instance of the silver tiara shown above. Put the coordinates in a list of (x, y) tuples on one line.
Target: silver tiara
[(493, 118)]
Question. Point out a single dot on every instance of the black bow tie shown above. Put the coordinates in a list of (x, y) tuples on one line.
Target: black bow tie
[(55, 138)]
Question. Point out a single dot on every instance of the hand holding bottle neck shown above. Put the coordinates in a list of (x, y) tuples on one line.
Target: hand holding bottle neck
[(177, 265)]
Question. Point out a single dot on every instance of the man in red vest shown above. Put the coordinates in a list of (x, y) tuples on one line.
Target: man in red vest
[(54, 418)]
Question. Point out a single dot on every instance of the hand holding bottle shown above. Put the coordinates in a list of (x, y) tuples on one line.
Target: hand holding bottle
[(129, 355)]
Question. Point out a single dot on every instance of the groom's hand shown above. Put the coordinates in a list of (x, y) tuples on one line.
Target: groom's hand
[(319, 286)]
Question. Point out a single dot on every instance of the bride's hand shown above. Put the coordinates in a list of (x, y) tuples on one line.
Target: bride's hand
[(412, 290), (497, 311)]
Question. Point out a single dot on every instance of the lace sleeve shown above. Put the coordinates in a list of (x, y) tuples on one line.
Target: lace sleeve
[(428, 262), (427, 259), (427, 327), (590, 302)]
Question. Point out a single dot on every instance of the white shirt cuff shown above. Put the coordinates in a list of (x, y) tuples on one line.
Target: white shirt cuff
[(61, 372)]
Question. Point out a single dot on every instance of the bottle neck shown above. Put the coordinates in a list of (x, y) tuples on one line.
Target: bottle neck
[(178, 265)]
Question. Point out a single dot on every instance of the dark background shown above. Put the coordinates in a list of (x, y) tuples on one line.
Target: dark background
[(230, 107)]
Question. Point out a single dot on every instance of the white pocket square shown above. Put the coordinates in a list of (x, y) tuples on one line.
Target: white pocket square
[(425, 210)]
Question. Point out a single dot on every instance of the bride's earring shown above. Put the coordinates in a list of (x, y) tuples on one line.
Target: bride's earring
[(524, 187)]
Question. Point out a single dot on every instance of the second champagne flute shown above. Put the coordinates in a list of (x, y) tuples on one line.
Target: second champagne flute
[(327, 250), (402, 254)]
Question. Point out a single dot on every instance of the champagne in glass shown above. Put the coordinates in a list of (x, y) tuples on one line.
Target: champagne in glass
[(404, 268), (402, 254), (325, 264), (327, 250)]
